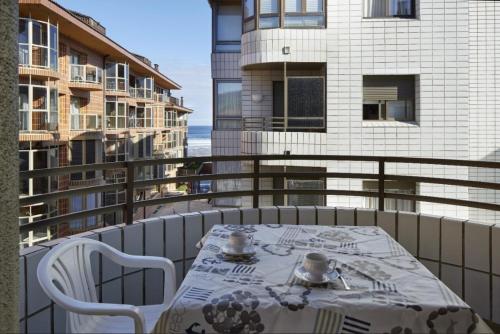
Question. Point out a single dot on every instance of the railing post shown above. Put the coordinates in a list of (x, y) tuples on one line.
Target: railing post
[(381, 184), (129, 218), (256, 183)]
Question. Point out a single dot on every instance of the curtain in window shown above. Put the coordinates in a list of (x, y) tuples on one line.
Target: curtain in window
[(314, 6), (229, 99), (229, 24), (269, 6), (91, 204), (375, 8), (401, 7), (293, 6)]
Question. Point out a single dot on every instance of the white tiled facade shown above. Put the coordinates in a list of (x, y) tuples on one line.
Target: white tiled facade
[(450, 49)]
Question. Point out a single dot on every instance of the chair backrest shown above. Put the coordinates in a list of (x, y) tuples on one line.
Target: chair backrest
[(65, 274)]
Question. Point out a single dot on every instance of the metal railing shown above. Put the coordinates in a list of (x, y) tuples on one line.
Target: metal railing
[(131, 184), (85, 74), (292, 124), (82, 122)]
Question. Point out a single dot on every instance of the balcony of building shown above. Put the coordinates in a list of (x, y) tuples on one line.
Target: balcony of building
[(38, 48), (464, 254), (85, 77), (141, 88)]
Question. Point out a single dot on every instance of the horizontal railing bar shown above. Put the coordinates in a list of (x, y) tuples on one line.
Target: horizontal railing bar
[(239, 176), (70, 169), (71, 216), (167, 161), (243, 193), (24, 201), (181, 179), (442, 200), (444, 181)]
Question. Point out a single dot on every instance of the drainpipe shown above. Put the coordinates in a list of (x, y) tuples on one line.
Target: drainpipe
[(9, 165)]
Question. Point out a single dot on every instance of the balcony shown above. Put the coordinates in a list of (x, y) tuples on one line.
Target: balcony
[(462, 253), (140, 93), (86, 122), (85, 77)]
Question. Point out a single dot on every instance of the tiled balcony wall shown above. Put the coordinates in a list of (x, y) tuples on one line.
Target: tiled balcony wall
[(464, 254)]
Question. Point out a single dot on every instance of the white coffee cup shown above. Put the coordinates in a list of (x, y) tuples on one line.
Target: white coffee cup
[(316, 264), (239, 240)]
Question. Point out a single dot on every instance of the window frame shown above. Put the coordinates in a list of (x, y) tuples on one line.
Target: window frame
[(216, 117), (215, 28), (52, 47), (411, 116), (269, 15), (413, 15), (116, 78), (117, 117), (304, 13), (52, 124)]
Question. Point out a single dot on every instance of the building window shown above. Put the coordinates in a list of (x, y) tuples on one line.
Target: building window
[(140, 116), (304, 13), (269, 14), (248, 15), (389, 8), (83, 152), (306, 103), (38, 108), (117, 77), (38, 44), (42, 158), (396, 187), (81, 203), (141, 88), (389, 98), (228, 105), (228, 34), (116, 117), (116, 150)]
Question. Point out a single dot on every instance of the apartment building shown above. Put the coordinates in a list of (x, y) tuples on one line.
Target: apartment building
[(413, 78), (84, 99)]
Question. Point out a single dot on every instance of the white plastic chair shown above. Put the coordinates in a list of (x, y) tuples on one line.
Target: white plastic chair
[(65, 275)]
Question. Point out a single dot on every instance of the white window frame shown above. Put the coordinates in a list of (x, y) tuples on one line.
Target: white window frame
[(47, 110), (49, 48)]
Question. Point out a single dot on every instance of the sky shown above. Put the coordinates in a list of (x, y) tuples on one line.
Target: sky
[(176, 34)]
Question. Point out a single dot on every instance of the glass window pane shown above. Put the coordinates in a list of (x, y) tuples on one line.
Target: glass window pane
[(314, 6), (229, 23), (249, 8), (40, 33), (23, 31), (121, 71), (228, 99), (269, 22), (39, 98), (39, 56), (53, 60), (269, 6), (23, 98), (24, 55), (293, 6), (110, 108), (305, 100), (53, 37), (111, 69), (400, 7)]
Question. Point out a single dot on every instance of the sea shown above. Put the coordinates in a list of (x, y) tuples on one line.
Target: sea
[(199, 141)]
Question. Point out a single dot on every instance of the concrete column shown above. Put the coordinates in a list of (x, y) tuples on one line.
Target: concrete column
[(9, 167)]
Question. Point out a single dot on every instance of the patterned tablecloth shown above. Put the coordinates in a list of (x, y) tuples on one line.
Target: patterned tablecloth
[(391, 291)]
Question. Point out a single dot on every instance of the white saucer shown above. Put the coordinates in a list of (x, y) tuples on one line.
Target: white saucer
[(304, 275), (246, 251)]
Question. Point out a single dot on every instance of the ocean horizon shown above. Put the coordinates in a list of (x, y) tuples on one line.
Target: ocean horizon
[(199, 140)]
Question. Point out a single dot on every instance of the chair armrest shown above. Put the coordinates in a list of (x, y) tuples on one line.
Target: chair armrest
[(153, 262), (103, 309)]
